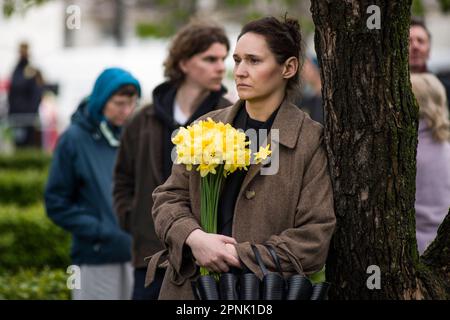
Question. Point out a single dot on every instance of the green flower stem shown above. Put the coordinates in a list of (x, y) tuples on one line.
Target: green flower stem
[(209, 202)]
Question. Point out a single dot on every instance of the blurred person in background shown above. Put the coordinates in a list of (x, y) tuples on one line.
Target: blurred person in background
[(194, 68), (310, 100), (49, 121), (419, 46), (4, 89), (433, 158), (24, 97), (6, 141), (419, 50), (78, 195)]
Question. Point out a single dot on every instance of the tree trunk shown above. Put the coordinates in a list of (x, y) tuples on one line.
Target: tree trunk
[(371, 139)]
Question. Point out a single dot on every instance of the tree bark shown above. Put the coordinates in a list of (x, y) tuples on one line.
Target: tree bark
[(437, 255), (371, 138)]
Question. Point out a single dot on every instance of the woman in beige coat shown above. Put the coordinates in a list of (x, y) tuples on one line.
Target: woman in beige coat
[(292, 210)]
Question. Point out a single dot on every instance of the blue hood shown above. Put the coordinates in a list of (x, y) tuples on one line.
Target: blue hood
[(109, 81)]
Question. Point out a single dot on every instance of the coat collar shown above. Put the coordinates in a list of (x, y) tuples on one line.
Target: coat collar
[(288, 121)]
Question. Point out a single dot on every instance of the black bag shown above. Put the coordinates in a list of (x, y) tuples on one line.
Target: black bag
[(273, 284), (228, 286), (320, 291), (245, 285), (298, 287), (249, 286), (205, 288)]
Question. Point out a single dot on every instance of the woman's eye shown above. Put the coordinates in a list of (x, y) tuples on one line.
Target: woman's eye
[(254, 61)]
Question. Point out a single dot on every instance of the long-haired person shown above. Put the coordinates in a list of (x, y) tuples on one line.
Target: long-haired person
[(433, 158), (194, 69)]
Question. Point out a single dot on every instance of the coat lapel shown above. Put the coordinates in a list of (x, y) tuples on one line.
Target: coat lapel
[(288, 122)]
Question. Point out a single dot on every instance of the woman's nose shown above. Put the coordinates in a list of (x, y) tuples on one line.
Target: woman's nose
[(240, 70)]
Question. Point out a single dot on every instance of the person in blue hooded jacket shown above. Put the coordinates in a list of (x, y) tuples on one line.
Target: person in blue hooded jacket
[(78, 195)]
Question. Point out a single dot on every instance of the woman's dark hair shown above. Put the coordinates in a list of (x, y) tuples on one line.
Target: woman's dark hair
[(284, 40), (196, 37)]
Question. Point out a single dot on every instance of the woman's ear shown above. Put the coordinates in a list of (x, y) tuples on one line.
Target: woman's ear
[(182, 65), (290, 67)]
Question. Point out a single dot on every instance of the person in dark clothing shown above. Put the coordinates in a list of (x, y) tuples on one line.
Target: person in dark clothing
[(310, 100), (195, 70), (78, 195), (444, 77), (24, 98)]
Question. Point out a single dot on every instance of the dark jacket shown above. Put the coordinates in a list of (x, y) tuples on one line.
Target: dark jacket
[(26, 90), (297, 219), (78, 195), (143, 155)]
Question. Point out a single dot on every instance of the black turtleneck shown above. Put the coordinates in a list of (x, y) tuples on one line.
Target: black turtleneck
[(234, 181)]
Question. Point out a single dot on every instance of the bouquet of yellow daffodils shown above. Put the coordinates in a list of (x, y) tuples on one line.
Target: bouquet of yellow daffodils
[(217, 150)]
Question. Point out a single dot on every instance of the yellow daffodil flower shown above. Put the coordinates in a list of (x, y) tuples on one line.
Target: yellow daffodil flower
[(262, 154)]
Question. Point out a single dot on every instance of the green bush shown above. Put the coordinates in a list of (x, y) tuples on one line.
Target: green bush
[(31, 284), (25, 159), (22, 187), (445, 5), (29, 239), (155, 30)]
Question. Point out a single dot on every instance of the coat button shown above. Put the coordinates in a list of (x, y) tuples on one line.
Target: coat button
[(250, 194)]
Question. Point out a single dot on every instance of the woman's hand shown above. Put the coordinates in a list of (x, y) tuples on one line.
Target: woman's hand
[(213, 251), (232, 250)]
